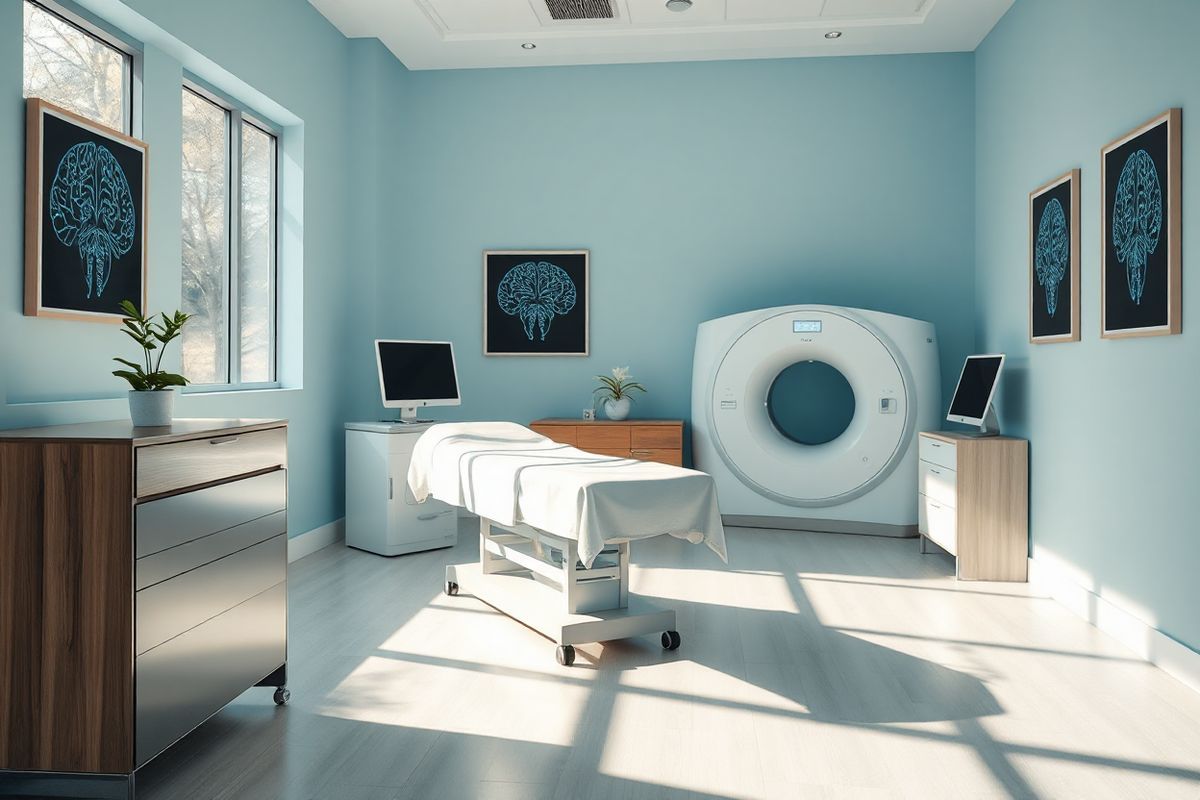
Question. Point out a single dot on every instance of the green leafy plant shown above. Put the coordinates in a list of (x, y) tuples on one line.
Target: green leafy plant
[(617, 386), (151, 335)]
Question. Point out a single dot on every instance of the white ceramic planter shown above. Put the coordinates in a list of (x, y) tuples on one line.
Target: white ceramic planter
[(151, 409), (617, 409)]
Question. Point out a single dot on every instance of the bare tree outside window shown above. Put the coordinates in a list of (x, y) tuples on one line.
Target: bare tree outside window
[(205, 240), (74, 69), (255, 268), (229, 195)]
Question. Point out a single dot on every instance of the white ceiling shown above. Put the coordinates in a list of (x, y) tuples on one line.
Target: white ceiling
[(455, 34)]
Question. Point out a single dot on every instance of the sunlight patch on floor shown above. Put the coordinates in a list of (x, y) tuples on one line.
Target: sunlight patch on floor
[(386, 691)]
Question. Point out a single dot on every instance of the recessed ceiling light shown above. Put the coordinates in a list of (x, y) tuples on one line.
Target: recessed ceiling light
[(679, 5), (529, 46), (833, 35)]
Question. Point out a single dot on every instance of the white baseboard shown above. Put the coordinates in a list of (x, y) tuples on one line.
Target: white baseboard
[(310, 542), (1172, 657)]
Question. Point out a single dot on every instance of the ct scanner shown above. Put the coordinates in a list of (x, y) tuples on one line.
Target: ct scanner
[(862, 481)]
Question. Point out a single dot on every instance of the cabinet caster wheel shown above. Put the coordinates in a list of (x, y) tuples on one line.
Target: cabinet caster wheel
[(451, 588), (282, 695), (670, 640), (565, 654)]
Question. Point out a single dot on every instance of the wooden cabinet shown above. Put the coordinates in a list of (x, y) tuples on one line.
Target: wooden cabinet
[(658, 440), (143, 585), (974, 503)]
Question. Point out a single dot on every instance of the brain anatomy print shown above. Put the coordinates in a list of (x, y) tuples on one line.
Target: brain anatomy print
[(535, 302), (85, 209)]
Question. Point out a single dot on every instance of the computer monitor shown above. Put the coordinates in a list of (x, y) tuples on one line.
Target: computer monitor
[(972, 403), (414, 374)]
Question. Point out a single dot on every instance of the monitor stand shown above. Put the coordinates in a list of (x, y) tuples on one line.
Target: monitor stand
[(991, 423), (408, 416)]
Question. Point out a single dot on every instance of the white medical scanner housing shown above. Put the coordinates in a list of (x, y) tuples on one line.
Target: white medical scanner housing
[(861, 481)]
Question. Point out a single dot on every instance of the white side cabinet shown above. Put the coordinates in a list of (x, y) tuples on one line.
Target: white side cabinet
[(381, 515), (974, 503)]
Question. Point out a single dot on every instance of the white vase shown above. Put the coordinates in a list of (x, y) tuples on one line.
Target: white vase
[(616, 409), (151, 409)]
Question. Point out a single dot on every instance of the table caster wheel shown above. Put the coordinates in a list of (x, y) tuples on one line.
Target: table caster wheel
[(670, 640), (451, 588), (282, 695), (565, 654)]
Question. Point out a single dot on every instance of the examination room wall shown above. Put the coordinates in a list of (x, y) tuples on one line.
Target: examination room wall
[(1112, 423), (701, 189), (58, 371)]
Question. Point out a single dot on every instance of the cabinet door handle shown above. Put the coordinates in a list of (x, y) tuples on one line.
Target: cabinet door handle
[(640, 452), (225, 440), (389, 487), (934, 471)]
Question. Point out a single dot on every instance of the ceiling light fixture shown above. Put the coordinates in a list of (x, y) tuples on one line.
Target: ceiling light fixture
[(679, 5), (833, 35), (529, 46)]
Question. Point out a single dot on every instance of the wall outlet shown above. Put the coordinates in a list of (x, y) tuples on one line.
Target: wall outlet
[(589, 414)]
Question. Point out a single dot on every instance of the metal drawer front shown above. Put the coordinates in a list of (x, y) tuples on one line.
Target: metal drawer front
[(169, 608), (168, 467), (186, 680), (177, 560), (174, 520)]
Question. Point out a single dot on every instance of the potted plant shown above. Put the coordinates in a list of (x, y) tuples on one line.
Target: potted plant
[(614, 393), (152, 396)]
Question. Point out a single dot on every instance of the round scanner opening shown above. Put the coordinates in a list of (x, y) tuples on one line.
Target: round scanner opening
[(811, 403)]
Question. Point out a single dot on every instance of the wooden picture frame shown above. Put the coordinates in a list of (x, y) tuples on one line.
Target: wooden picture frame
[(80, 262), (558, 324), (1141, 248), (1054, 260)]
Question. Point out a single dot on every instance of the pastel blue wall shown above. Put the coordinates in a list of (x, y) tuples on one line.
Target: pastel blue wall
[(1111, 423), (701, 189), (308, 72)]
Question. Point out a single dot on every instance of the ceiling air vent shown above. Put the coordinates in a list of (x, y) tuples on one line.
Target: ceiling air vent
[(580, 9)]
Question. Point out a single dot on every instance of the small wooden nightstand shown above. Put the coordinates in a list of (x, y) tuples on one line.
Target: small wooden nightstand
[(974, 503), (658, 440)]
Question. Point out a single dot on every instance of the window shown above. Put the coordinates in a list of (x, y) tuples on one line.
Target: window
[(77, 69), (229, 244)]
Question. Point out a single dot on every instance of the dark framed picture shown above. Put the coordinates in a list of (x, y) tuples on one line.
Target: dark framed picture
[(1141, 253), (1054, 260), (535, 302), (85, 216)]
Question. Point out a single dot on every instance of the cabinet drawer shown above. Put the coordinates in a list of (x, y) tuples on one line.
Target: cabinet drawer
[(175, 561), (656, 437), (615, 452), (610, 437), (936, 451), (662, 456), (169, 608), (938, 483), (171, 521), (940, 523), (188, 679), (563, 434), (178, 465)]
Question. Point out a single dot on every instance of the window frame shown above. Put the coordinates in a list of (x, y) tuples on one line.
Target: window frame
[(237, 116), (131, 88)]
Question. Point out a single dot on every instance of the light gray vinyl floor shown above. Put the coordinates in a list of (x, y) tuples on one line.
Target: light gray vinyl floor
[(812, 666)]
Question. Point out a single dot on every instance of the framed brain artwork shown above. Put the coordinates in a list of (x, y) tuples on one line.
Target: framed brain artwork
[(1141, 250), (535, 302), (85, 216), (1054, 260)]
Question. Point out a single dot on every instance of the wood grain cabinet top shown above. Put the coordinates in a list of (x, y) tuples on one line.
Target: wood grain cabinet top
[(658, 440)]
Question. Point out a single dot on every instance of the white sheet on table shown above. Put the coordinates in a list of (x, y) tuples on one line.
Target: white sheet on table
[(509, 474)]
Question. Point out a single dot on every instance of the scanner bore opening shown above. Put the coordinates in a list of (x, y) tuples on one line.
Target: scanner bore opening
[(811, 403)]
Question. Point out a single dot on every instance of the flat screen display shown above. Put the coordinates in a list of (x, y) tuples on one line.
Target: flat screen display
[(417, 371), (806, 326), (975, 386)]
